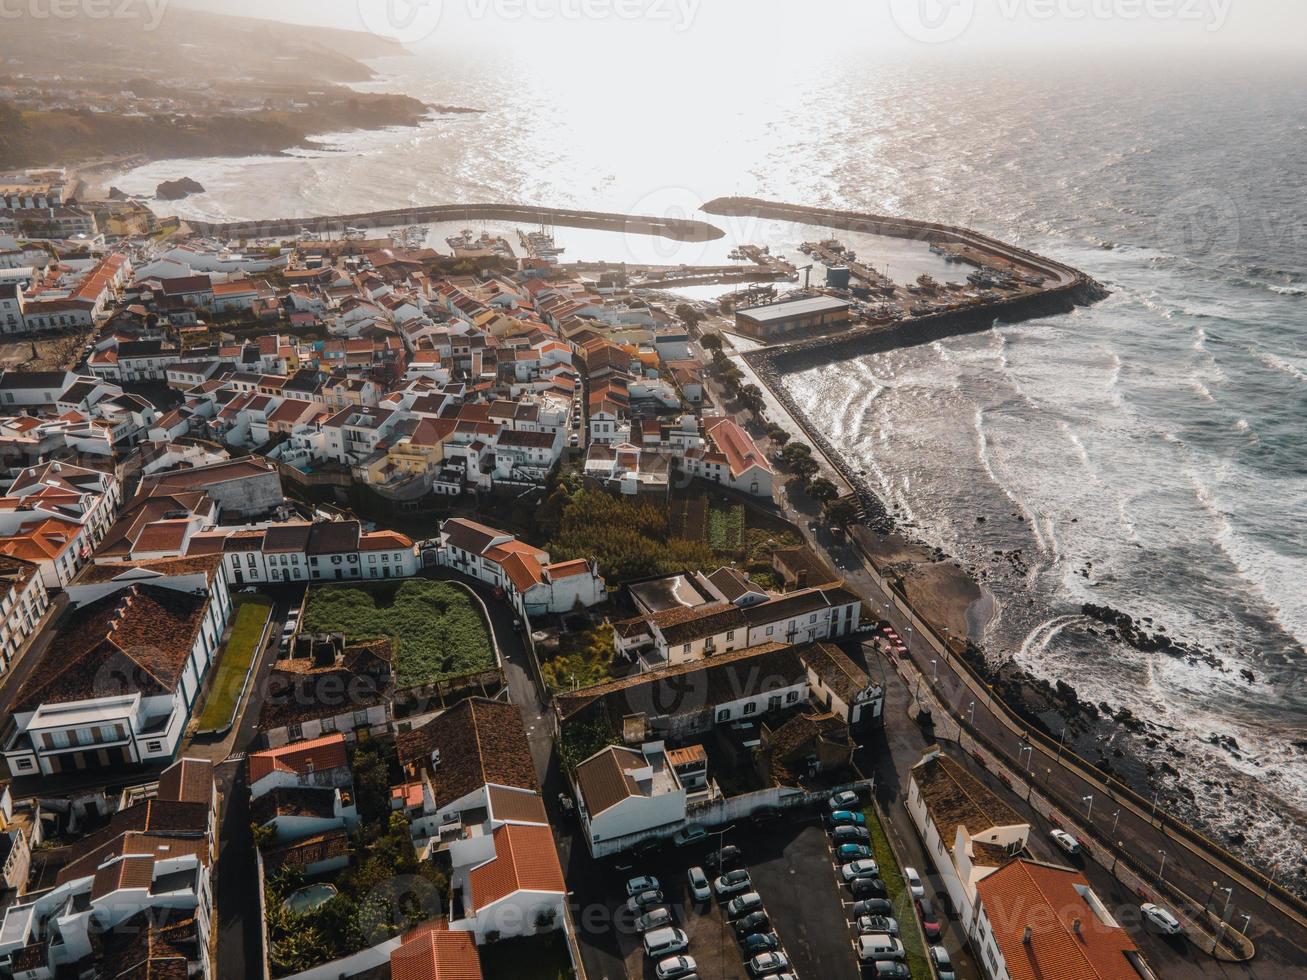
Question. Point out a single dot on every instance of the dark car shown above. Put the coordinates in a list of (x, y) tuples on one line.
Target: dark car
[(930, 923), (872, 906), (751, 923), (722, 858), (868, 888), (850, 835), (892, 969), (760, 942)]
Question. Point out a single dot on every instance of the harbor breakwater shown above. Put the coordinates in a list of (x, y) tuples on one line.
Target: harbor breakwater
[(1069, 288), (677, 229)]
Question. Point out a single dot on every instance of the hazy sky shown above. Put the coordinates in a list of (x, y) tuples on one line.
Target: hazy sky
[(941, 26)]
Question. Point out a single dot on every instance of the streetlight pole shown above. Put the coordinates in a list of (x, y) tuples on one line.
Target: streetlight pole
[(1023, 749), (1115, 817), (1161, 869), (1229, 900), (1060, 739), (934, 671), (1089, 813), (1246, 919), (972, 712)]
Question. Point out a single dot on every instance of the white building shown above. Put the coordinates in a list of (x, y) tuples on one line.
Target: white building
[(628, 794), (533, 583), (122, 674)]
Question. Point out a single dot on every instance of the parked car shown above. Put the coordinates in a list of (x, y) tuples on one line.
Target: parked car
[(662, 943), (872, 906), (765, 814), (722, 858), (656, 918), (868, 888), (641, 883), (770, 962), (892, 969), (639, 904), (863, 868), (852, 852), (675, 967), (751, 923), (850, 834), (732, 883), (877, 946), (930, 923), (913, 880), (1160, 919), (878, 923), (698, 882), (743, 905), (1065, 841), (939, 959), (840, 818), (760, 942), (846, 800), (691, 833)]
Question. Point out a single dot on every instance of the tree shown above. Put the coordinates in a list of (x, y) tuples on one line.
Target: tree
[(778, 434), (841, 512), (794, 452), (822, 490), (750, 396), (804, 468), (688, 314), (711, 342)]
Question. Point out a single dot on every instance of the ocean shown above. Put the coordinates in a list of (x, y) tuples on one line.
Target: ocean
[(1152, 445)]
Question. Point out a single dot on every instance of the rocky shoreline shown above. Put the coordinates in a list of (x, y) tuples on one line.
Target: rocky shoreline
[(1110, 738)]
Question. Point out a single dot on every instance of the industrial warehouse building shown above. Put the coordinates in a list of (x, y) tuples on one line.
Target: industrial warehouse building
[(776, 320)]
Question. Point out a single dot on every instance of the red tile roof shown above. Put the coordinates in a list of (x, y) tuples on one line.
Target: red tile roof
[(525, 860), (1049, 900), (327, 752), (433, 952)]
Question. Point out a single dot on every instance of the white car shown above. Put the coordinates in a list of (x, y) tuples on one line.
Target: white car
[(642, 883), (863, 868), (732, 883), (765, 963), (698, 882), (1065, 841), (848, 800), (915, 887), (675, 966), (1160, 919)]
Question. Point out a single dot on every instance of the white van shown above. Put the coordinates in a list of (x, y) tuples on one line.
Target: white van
[(879, 946), (665, 942)]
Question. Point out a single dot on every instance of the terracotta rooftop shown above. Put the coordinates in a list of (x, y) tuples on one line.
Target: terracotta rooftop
[(434, 952), (481, 742), (317, 755), (525, 860), (836, 671), (1052, 901), (135, 640)]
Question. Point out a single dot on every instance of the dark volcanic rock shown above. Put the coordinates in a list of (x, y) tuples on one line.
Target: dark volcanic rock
[(175, 190)]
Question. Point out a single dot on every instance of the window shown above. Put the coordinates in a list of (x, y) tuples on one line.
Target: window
[(769, 630), (773, 702), (372, 559), (155, 746), (361, 716), (724, 714), (328, 725), (335, 559), (791, 697), (686, 648), (750, 708), (295, 730), (730, 635), (812, 618), (24, 763)]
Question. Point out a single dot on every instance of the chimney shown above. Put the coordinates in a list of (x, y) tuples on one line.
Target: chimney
[(1025, 937)]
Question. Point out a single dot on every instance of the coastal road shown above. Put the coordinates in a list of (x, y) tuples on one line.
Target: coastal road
[(1143, 838)]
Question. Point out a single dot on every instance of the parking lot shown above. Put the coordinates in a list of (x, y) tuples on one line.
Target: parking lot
[(789, 863)]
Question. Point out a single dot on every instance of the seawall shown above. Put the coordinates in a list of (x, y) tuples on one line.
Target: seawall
[(679, 229)]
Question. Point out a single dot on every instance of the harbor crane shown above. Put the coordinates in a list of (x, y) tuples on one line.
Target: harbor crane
[(807, 274)]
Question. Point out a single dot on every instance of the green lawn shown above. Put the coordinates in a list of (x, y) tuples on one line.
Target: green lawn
[(909, 933), (249, 614), (437, 627)]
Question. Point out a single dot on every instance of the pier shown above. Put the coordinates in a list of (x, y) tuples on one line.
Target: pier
[(677, 229)]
